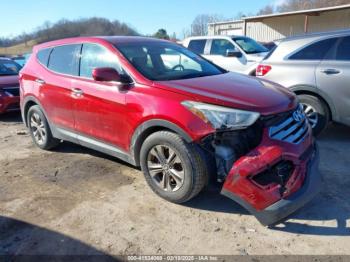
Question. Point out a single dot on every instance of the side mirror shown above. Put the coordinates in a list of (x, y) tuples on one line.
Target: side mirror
[(233, 53), (109, 74)]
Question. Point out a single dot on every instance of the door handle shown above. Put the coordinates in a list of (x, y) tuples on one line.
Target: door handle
[(40, 81), (77, 91), (330, 71)]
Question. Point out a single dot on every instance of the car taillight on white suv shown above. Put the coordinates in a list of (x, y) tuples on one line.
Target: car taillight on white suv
[(262, 70)]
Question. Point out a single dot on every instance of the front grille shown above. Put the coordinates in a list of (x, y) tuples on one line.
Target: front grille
[(293, 129), (13, 91)]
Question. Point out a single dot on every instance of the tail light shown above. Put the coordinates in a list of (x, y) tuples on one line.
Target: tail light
[(262, 70)]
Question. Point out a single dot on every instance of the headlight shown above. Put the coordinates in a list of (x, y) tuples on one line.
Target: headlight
[(222, 117)]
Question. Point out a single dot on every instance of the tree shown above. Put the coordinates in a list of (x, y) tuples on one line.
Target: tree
[(296, 5), (200, 23), (173, 37), (269, 9), (70, 28), (162, 34)]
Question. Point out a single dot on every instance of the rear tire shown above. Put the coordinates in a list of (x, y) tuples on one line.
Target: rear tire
[(317, 112), (40, 130), (173, 168)]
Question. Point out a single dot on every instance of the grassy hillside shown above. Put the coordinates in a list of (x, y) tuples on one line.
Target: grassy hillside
[(62, 29), (18, 49)]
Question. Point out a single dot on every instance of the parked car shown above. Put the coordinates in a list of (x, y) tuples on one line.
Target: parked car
[(317, 68), (181, 123), (233, 53), (9, 85), (21, 59)]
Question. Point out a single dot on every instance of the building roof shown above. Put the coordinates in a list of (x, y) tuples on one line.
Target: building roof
[(315, 11)]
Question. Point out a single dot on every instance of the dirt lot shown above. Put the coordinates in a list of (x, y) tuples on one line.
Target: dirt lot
[(77, 201)]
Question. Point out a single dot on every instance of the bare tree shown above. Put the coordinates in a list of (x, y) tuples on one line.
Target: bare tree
[(295, 5), (199, 25), (269, 9), (67, 28)]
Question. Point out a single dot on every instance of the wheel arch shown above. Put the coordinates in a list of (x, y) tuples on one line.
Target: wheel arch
[(149, 127), (28, 102), (313, 91)]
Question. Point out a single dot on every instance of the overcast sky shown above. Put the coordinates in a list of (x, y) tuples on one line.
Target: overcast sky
[(145, 16)]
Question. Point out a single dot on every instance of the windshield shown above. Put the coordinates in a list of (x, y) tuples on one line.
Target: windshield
[(8, 67), (161, 61), (249, 45)]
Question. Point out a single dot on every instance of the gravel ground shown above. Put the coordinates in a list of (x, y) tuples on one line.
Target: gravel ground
[(77, 201)]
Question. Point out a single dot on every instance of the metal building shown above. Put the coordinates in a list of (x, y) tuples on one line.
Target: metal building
[(266, 28)]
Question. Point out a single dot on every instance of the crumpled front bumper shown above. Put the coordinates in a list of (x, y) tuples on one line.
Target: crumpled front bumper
[(310, 185)]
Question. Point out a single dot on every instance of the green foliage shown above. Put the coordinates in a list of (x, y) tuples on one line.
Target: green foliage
[(161, 34)]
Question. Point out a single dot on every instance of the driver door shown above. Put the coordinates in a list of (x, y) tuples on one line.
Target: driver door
[(218, 55), (99, 107)]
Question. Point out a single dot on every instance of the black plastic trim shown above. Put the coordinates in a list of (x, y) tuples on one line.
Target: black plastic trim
[(92, 143), (36, 101), (137, 138)]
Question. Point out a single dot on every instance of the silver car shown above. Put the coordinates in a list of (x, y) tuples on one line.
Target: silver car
[(317, 68)]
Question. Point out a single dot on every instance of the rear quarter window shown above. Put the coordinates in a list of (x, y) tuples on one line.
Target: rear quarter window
[(343, 50), (65, 59), (197, 46), (43, 56), (315, 51)]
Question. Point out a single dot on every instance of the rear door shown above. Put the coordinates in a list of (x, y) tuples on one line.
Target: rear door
[(99, 107), (55, 86), (198, 46), (217, 54), (333, 78)]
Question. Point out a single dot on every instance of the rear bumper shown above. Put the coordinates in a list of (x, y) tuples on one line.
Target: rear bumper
[(281, 209)]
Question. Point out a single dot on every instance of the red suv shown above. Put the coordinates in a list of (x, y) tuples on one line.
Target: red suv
[(9, 86), (155, 104)]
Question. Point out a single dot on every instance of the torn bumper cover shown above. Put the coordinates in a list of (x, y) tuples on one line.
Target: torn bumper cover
[(273, 200)]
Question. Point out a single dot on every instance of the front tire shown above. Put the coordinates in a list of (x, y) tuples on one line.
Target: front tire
[(173, 168), (316, 111), (40, 130)]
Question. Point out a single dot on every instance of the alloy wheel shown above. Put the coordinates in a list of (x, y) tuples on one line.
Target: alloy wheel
[(165, 168), (311, 114), (38, 128)]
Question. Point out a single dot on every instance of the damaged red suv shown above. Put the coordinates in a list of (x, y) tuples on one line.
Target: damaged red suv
[(9, 86), (183, 120)]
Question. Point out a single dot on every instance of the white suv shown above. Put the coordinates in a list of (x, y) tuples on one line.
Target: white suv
[(233, 53)]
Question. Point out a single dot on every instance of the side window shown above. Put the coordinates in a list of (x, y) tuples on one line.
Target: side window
[(315, 51), (94, 56), (65, 59), (174, 60), (220, 46), (343, 50), (43, 56), (197, 46)]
